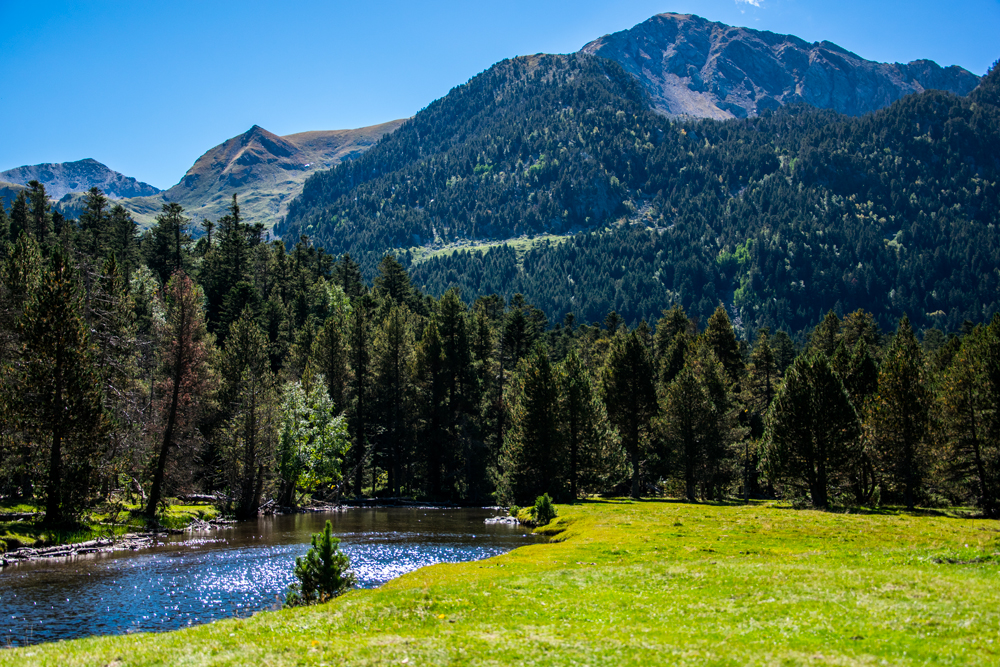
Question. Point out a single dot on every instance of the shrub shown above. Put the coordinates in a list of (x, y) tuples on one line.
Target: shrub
[(543, 510), (323, 573)]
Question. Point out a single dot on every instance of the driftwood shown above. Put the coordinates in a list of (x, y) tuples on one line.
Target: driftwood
[(202, 498)]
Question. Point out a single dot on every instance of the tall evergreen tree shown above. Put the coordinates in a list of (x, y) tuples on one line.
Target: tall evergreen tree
[(185, 378), (811, 430), (898, 419), (250, 402), (968, 419), (167, 246), (533, 457), (630, 397), (60, 398)]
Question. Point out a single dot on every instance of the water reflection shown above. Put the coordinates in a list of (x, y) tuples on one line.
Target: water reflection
[(200, 578)]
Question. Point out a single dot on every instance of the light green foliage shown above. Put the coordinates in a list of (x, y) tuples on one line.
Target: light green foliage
[(323, 573), (544, 511), (313, 439)]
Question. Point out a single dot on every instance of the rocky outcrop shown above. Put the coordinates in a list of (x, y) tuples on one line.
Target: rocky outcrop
[(694, 67), (62, 178)]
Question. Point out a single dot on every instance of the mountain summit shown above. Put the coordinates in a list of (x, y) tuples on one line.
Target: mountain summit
[(62, 178), (266, 172), (694, 67)]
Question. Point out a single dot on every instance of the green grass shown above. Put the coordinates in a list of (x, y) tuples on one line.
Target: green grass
[(99, 523), (521, 246), (640, 583)]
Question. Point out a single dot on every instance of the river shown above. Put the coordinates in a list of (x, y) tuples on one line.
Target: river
[(200, 577)]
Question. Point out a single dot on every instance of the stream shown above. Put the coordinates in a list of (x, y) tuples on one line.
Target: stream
[(199, 577)]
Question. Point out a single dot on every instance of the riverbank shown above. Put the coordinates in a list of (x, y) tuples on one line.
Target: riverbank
[(640, 583), (25, 536)]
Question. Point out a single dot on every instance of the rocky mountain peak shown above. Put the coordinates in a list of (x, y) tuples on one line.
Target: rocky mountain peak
[(62, 178), (694, 67)]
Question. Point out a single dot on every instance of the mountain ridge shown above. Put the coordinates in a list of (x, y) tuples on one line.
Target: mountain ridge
[(691, 66), (63, 178)]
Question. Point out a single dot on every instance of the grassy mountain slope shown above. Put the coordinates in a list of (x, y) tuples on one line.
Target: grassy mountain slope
[(266, 172)]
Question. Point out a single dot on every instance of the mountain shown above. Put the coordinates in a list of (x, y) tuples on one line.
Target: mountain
[(265, 171), (62, 178), (694, 67), (781, 216)]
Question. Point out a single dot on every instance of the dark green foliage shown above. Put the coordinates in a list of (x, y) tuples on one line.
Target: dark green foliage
[(811, 431), (533, 459), (795, 213), (898, 421), (167, 245), (630, 397), (58, 398), (323, 573), (968, 421)]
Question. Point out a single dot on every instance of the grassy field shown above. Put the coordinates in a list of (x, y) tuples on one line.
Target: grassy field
[(640, 583)]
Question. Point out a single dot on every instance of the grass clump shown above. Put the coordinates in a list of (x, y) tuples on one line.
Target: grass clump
[(640, 582)]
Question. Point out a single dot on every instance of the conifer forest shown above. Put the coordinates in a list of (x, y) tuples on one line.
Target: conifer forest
[(151, 365)]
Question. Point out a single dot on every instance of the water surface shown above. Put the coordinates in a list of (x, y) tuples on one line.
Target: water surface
[(199, 577)]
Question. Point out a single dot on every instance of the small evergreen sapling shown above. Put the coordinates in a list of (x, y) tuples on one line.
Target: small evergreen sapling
[(543, 510), (323, 573)]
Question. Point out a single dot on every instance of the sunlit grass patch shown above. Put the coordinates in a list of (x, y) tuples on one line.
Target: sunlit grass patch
[(647, 582)]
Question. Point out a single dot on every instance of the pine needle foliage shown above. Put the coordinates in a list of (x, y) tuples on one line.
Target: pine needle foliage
[(323, 573)]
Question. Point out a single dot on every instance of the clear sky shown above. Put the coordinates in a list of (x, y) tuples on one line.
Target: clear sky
[(147, 87)]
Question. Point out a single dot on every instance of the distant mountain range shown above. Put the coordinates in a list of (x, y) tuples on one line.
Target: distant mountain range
[(688, 67), (62, 178), (694, 67)]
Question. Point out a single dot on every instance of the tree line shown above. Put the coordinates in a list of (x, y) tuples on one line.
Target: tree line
[(147, 365)]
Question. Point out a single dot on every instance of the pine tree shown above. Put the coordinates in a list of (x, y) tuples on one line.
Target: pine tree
[(19, 216), (968, 420), (250, 402), (59, 398), (167, 246), (897, 424), (393, 345), (811, 430), (585, 428), (533, 454), (185, 348), (630, 397), (39, 211), (94, 232), (720, 336), (324, 572)]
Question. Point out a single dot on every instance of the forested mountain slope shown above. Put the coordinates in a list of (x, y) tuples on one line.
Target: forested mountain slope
[(533, 144), (782, 216)]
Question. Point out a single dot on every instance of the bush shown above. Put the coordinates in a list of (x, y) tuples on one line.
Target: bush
[(514, 509), (324, 572), (543, 511)]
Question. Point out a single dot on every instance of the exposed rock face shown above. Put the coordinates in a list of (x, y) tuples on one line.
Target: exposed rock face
[(694, 67), (62, 178), (264, 170)]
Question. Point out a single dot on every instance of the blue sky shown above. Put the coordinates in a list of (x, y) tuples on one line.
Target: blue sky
[(147, 87)]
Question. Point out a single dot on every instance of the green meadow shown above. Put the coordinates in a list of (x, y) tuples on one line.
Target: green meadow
[(640, 582)]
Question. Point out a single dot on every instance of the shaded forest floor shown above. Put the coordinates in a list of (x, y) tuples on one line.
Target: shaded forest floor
[(649, 582), (21, 524)]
